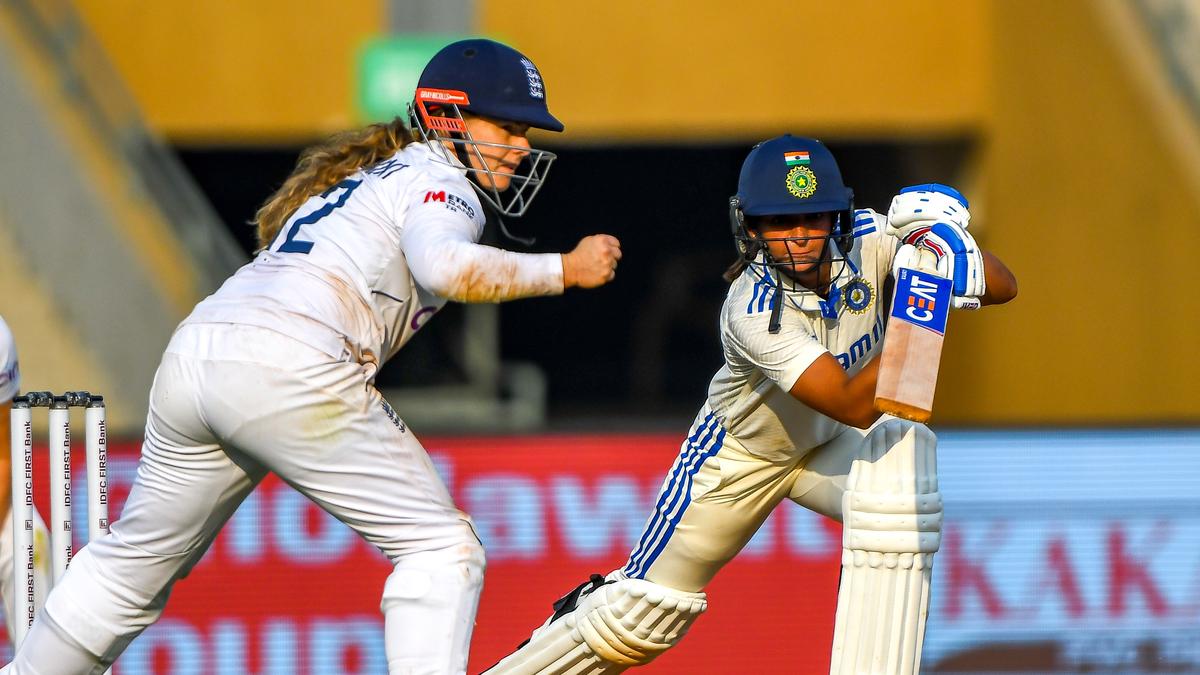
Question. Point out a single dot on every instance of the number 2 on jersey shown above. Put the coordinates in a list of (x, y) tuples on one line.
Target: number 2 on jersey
[(293, 245)]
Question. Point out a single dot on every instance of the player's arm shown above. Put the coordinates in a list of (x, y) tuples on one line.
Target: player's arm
[(798, 363), (826, 388), (445, 258), (1001, 283)]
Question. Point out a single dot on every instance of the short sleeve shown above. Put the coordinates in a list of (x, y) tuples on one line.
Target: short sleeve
[(782, 357), (876, 245), (10, 372)]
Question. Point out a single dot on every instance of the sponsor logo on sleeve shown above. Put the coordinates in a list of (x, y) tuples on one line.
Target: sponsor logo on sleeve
[(460, 205), (451, 201)]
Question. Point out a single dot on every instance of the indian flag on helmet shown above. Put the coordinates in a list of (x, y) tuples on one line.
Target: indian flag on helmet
[(796, 157)]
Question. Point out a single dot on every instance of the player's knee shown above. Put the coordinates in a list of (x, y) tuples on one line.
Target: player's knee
[(892, 504), (893, 432), (422, 576)]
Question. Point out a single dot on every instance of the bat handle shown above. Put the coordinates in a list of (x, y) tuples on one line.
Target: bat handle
[(965, 302)]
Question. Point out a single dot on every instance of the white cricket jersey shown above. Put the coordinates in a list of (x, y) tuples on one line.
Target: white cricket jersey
[(358, 269), (10, 372), (750, 393)]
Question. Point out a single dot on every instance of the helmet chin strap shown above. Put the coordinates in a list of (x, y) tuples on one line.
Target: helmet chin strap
[(776, 305), (524, 241)]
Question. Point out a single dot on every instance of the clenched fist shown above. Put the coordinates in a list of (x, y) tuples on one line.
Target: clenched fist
[(593, 262)]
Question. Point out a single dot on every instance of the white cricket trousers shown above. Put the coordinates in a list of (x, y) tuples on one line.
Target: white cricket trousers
[(717, 495), (229, 404)]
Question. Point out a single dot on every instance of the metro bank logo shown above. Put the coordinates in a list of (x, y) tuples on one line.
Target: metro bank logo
[(922, 299)]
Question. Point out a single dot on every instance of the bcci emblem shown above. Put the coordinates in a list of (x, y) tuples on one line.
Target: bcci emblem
[(858, 296), (801, 182)]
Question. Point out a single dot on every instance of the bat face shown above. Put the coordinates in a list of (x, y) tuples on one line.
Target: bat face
[(912, 347)]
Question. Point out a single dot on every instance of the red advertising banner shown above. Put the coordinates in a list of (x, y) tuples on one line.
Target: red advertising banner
[(1062, 553), (286, 589)]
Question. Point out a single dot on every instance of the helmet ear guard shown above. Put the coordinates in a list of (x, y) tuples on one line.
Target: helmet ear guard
[(737, 224), (747, 245)]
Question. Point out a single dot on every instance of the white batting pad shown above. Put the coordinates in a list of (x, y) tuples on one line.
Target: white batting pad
[(892, 514), (618, 625)]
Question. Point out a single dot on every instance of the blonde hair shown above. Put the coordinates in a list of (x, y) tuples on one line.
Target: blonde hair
[(325, 165)]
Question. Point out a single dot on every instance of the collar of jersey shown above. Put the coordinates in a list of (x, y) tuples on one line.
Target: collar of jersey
[(807, 300), (440, 155)]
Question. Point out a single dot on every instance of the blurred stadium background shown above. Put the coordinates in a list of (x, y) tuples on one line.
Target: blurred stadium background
[(140, 137)]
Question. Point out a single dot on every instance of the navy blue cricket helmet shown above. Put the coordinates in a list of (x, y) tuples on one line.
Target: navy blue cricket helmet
[(790, 175), (499, 81), (486, 78)]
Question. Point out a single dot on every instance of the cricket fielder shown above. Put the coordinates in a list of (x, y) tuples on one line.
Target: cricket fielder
[(789, 416), (370, 236)]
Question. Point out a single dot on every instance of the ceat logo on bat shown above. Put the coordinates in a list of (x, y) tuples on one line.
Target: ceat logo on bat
[(922, 299)]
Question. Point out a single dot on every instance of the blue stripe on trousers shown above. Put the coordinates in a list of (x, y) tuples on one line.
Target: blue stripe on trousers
[(659, 531), (687, 492), (669, 492)]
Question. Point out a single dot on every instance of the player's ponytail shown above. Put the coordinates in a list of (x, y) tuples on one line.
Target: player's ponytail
[(325, 165), (735, 270)]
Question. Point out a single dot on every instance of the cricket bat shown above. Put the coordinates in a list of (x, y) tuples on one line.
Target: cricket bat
[(912, 348)]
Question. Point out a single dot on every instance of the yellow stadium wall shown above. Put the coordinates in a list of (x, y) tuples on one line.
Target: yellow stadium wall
[(260, 71), (651, 70), (229, 71), (630, 68), (1094, 202)]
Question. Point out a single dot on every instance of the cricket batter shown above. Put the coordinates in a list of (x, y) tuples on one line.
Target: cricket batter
[(10, 384), (790, 416), (371, 235)]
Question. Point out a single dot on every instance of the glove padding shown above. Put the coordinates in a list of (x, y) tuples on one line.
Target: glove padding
[(950, 252), (933, 219), (920, 206)]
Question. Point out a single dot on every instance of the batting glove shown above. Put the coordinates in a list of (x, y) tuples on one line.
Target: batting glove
[(948, 251), (920, 206)]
